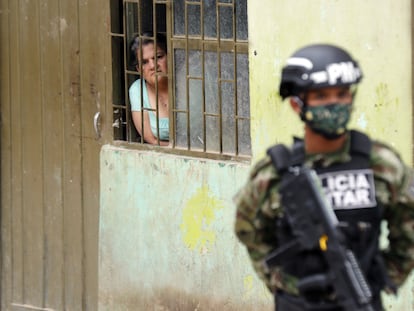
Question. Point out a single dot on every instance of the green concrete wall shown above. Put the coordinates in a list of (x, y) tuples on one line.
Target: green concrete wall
[(166, 235), (166, 224)]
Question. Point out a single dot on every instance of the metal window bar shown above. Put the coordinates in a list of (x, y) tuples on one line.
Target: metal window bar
[(137, 25), (221, 44), (187, 75), (235, 99), (119, 109), (143, 109), (126, 84), (154, 38), (116, 38), (220, 81), (203, 74), (190, 42), (122, 109), (141, 36)]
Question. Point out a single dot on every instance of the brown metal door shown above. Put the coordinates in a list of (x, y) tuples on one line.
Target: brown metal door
[(52, 83)]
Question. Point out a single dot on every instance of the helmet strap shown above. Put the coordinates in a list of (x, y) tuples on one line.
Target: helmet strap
[(302, 105)]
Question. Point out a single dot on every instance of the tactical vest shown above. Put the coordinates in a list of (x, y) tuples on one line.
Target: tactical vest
[(350, 189)]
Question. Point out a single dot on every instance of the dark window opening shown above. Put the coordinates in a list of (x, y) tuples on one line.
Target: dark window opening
[(208, 75)]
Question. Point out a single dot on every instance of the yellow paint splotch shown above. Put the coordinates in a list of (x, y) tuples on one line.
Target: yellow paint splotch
[(198, 215), (248, 287), (253, 289)]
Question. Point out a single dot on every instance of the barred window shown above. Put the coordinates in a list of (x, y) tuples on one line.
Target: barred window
[(208, 90)]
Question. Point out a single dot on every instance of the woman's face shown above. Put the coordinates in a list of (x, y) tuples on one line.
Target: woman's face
[(153, 66)]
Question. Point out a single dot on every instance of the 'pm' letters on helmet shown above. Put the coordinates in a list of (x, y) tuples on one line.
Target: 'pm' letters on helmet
[(346, 71)]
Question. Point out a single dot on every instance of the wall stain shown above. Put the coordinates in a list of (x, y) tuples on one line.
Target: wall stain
[(173, 299), (248, 287), (383, 98), (362, 121), (198, 216)]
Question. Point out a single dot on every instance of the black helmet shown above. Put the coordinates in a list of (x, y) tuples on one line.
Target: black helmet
[(316, 66)]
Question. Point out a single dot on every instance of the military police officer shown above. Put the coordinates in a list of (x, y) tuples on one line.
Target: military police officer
[(365, 181)]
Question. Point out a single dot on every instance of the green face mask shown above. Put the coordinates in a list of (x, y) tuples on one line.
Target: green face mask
[(328, 120)]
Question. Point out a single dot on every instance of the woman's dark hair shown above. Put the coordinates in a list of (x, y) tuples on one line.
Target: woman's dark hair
[(144, 39)]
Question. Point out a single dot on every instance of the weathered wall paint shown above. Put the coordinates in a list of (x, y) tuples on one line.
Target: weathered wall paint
[(377, 33), (199, 213), (166, 236)]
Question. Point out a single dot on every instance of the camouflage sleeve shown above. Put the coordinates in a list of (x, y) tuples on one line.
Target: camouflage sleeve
[(395, 189), (257, 207)]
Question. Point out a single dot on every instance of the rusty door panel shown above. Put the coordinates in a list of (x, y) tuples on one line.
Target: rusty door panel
[(52, 61), (72, 221), (93, 19), (32, 166), (14, 133), (51, 58), (62, 158), (6, 109)]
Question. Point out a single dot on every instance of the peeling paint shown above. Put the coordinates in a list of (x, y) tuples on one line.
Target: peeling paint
[(57, 25), (63, 25), (362, 121), (172, 299), (383, 97), (198, 216)]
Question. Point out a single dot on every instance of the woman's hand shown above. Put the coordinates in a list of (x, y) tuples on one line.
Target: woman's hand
[(146, 131)]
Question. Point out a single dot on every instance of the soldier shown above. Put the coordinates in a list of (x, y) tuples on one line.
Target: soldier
[(365, 181)]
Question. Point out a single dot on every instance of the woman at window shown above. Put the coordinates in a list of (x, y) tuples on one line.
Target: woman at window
[(152, 123)]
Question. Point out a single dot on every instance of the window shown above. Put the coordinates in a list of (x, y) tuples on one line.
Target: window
[(209, 113)]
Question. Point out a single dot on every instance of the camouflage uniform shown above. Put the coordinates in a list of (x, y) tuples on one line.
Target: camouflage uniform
[(258, 206)]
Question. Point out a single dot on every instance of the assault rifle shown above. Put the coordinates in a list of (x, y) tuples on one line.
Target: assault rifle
[(315, 225)]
